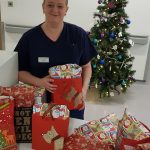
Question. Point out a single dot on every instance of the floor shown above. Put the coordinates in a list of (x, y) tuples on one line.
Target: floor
[(136, 100)]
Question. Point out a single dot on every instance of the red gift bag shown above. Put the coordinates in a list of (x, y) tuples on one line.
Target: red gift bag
[(126, 143), (143, 144), (7, 133), (66, 92), (43, 129)]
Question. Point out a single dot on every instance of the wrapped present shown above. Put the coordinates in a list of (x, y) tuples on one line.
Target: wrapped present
[(25, 95), (65, 71), (7, 132), (130, 132), (104, 130), (49, 126), (69, 81), (23, 124), (76, 142)]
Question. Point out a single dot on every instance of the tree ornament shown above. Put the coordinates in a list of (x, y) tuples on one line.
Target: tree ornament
[(131, 42), (112, 35), (94, 66), (111, 5), (100, 1), (103, 80), (113, 14), (120, 34), (102, 35), (98, 56), (122, 82), (110, 68), (102, 61), (104, 14), (115, 47), (101, 67), (122, 21), (128, 21), (109, 53), (95, 41), (119, 57)]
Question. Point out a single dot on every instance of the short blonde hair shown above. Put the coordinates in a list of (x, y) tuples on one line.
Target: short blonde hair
[(66, 2)]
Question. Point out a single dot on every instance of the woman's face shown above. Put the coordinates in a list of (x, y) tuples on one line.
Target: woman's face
[(55, 10)]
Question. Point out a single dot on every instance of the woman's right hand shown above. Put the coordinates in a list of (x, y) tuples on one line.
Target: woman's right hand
[(47, 83)]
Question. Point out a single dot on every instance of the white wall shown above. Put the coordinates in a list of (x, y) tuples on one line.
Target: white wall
[(138, 12), (29, 13), (23, 12)]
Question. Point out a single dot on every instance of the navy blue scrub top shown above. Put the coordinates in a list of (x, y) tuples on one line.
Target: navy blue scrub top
[(37, 53)]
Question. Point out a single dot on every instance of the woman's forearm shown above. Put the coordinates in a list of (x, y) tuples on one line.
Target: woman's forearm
[(86, 76), (27, 77)]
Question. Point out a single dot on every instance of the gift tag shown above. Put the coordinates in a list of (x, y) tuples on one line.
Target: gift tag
[(56, 113)]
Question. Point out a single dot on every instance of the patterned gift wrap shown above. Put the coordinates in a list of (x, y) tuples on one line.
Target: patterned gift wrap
[(7, 133), (103, 130), (130, 131), (65, 71), (76, 142), (25, 95)]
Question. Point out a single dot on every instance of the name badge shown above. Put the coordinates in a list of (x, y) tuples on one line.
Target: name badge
[(43, 59)]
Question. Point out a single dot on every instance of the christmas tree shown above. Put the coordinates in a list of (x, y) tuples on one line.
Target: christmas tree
[(112, 68)]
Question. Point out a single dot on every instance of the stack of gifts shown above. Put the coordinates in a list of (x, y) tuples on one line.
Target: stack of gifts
[(24, 96), (69, 81), (7, 132), (97, 135), (49, 126), (109, 133)]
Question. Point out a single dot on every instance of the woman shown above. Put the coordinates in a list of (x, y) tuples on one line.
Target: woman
[(52, 43)]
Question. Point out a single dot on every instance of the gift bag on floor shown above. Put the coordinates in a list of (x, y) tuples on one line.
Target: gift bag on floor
[(49, 127), (7, 133), (131, 132), (135, 144), (69, 81)]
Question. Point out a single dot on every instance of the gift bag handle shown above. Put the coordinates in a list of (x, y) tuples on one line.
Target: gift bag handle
[(51, 105)]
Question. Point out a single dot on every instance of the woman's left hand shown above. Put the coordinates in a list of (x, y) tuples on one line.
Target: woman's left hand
[(80, 99)]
